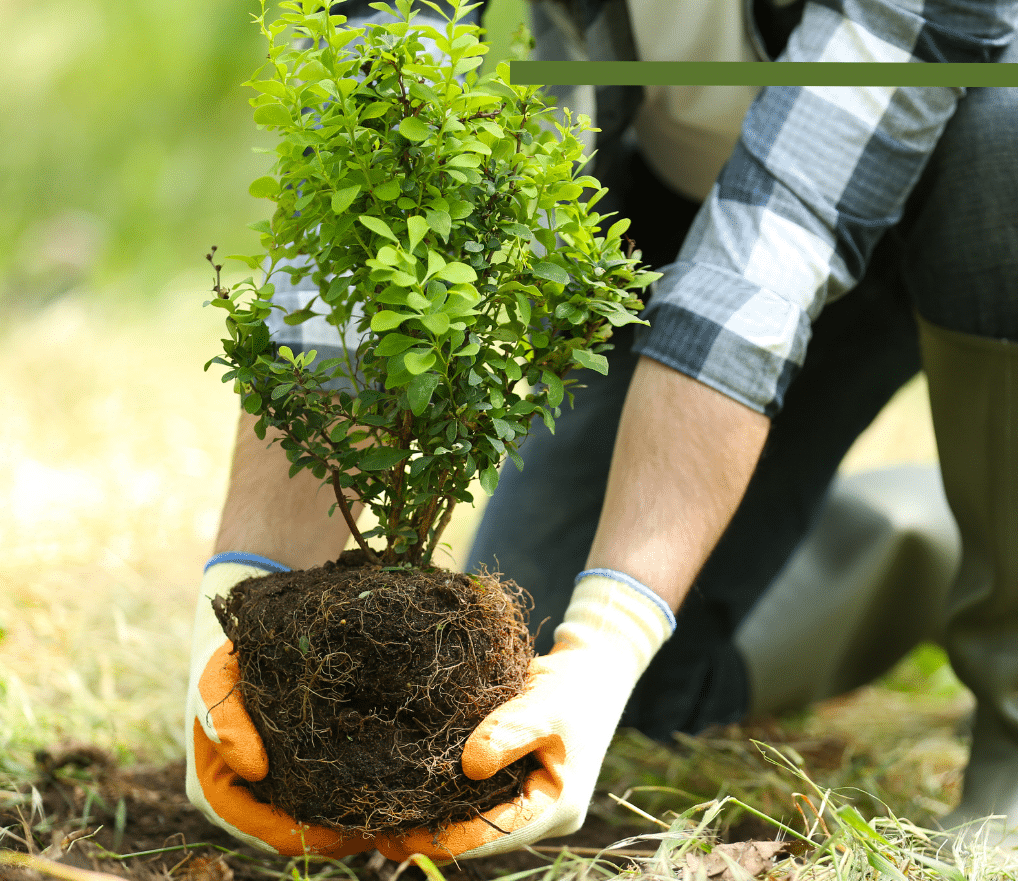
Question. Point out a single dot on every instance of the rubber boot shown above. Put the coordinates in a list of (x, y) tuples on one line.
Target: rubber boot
[(865, 587), (974, 399)]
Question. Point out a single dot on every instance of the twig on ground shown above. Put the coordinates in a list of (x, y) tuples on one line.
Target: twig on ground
[(51, 869)]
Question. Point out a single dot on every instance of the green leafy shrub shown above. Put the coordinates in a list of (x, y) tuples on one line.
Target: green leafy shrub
[(445, 217)]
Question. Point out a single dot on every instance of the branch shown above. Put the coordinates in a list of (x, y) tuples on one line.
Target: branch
[(442, 523), (399, 475), (350, 522)]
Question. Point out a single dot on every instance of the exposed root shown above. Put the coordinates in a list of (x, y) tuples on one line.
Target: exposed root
[(365, 682)]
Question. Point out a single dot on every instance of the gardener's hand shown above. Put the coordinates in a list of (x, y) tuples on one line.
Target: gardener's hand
[(566, 717), (223, 747)]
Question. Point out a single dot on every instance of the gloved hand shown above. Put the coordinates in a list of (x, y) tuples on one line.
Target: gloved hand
[(566, 716), (223, 745)]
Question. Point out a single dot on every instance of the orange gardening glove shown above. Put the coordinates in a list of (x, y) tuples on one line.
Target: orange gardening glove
[(566, 716), (223, 746)]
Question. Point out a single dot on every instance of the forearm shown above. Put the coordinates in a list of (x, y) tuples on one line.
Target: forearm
[(683, 458), (269, 513)]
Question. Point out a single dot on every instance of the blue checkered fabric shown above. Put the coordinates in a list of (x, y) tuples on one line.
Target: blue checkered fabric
[(819, 174)]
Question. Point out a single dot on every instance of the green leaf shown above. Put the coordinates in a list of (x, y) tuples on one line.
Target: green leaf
[(617, 228), (374, 110), (300, 316), (464, 160), (387, 256), (387, 191), (550, 272), (503, 429), (343, 199), (523, 305), (387, 320), (381, 458), (417, 227), (489, 479), (419, 361), (413, 129), (556, 391), (440, 222), (264, 187), (394, 343), (435, 262), (519, 230), (592, 360), (496, 87), (416, 300), (272, 114), (438, 323), (467, 64), (420, 391), (456, 273), (269, 87), (377, 225), (252, 403)]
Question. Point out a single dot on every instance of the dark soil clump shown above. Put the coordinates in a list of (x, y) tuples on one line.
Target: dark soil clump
[(365, 682)]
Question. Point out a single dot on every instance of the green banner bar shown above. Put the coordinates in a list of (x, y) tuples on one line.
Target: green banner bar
[(760, 73)]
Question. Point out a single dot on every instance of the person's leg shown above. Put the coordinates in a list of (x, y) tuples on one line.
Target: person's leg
[(866, 586), (964, 278)]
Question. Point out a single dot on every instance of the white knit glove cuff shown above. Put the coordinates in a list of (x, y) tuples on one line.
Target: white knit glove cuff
[(625, 615)]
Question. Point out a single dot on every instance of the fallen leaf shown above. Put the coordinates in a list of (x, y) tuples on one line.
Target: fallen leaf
[(724, 861), (209, 869)]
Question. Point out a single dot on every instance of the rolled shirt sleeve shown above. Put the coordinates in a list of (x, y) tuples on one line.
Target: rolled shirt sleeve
[(818, 175)]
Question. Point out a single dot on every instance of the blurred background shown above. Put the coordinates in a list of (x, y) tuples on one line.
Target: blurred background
[(127, 147)]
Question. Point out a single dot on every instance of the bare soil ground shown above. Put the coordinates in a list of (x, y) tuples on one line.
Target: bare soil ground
[(83, 811)]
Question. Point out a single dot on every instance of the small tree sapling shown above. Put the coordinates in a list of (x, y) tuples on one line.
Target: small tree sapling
[(446, 216), (443, 219)]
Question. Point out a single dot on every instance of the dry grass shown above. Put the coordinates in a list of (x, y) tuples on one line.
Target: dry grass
[(115, 446)]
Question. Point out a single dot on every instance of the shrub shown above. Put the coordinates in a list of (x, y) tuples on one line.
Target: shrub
[(445, 217)]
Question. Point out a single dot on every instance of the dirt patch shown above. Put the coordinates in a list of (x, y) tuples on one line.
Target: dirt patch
[(143, 813), (364, 683)]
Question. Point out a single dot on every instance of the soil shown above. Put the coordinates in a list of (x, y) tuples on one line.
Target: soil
[(83, 811), (365, 681)]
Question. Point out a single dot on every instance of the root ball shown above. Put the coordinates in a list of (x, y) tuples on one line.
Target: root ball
[(364, 683)]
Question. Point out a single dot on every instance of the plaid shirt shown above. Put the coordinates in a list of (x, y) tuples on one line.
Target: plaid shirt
[(818, 175)]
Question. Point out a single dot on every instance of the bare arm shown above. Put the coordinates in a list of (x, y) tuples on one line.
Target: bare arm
[(683, 458), (269, 513)]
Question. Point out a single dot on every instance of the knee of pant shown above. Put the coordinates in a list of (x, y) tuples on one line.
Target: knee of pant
[(961, 259), (983, 133)]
